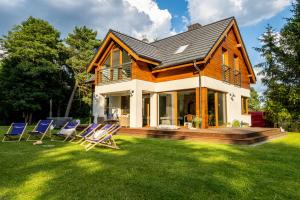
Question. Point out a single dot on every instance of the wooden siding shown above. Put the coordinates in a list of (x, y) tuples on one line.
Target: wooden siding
[(213, 68)]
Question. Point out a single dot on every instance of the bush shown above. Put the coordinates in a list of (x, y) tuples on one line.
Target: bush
[(197, 122), (236, 124)]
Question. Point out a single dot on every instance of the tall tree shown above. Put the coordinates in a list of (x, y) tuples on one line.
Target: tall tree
[(271, 70), (81, 45), (290, 60), (30, 71), (254, 100)]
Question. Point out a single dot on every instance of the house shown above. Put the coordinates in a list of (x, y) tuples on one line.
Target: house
[(204, 72)]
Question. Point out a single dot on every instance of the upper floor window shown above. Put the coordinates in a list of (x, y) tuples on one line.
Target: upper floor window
[(224, 57), (236, 62)]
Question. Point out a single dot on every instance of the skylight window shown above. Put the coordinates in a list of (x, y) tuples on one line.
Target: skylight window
[(181, 49)]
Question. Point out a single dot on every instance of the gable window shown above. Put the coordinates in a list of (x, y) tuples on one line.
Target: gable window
[(225, 68), (116, 66), (224, 57), (244, 103), (236, 63)]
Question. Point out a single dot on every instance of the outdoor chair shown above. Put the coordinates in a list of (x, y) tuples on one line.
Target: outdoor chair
[(106, 139), (98, 133), (86, 132), (66, 131), (40, 130), (15, 131)]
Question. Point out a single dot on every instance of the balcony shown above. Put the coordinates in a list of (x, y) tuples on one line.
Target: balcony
[(237, 78), (231, 76), (107, 75), (226, 72)]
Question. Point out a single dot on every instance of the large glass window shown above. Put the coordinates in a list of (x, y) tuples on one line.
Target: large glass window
[(186, 104)]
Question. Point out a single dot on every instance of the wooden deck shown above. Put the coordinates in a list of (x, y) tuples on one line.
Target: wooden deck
[(244, 136)]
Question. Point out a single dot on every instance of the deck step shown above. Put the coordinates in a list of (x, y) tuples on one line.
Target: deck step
[(252, 136)]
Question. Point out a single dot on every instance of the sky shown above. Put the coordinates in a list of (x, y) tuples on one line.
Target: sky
[(150, 18)]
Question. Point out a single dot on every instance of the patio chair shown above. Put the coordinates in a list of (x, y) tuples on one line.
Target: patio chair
[(16, 130), (40, 130), (86, 132), (106, 140), (66, 131), (98, 133)]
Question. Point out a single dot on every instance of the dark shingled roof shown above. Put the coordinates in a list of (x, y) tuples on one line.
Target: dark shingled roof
[(200, 41), (141, 48)]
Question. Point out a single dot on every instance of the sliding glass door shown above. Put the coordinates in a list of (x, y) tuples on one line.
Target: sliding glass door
[(216, 108)]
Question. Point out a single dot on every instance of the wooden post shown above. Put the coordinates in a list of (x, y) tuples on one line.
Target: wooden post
[(204, 104)]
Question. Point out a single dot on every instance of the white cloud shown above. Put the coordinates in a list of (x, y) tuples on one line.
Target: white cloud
[(248, 12), (134, 17)]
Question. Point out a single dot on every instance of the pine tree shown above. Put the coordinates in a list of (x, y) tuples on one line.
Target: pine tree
[(290, 60), (81, 44), (271, 70)]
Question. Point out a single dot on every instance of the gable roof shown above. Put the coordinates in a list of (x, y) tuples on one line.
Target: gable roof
[(199, 43)]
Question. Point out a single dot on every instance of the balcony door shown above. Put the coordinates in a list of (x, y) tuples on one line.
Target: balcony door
[(217, 115)]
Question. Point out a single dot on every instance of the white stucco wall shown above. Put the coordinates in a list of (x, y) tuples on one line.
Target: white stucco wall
[(233, 96)]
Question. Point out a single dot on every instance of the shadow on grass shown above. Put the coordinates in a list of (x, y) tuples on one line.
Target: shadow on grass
[(151, 169)]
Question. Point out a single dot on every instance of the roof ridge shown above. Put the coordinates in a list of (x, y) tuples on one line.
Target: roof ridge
[(232, 17), (112, 30)]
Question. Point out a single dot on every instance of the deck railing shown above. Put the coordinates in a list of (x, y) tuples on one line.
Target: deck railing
[(106, 75)]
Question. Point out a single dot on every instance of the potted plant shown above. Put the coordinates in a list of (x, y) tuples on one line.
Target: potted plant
[(197, 122)]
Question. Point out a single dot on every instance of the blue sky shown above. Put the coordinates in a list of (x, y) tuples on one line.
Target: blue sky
[(149, 18)]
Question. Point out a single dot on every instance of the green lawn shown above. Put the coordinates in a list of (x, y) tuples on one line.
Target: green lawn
[(151, 169)]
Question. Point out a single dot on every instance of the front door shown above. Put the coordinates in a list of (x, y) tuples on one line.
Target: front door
[(146, 110)]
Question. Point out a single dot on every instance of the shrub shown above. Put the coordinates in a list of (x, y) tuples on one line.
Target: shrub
[(236, 123)]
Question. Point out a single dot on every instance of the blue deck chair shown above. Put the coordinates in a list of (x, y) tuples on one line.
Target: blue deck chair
[(102, 131), (68, 126), (86, 132), (106, 139), (40, 130), (16, 130)]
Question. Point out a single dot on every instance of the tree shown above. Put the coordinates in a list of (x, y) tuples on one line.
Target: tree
[(30, 71), (290, 59), (254, 101), (81, 44), (271, 70)]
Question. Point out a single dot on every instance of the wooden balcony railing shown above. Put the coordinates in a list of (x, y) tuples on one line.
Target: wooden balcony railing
[(231, 76), (226, 73), (106, 75), (237, 78)]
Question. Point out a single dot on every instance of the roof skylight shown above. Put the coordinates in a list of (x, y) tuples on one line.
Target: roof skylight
[(181, 49)]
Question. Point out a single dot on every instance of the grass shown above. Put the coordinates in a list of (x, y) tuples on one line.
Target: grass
[(151, 169)]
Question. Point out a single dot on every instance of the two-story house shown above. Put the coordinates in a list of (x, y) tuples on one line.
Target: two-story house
[(204, 72)]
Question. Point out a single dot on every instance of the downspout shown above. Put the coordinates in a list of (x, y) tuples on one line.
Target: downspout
[(199, 89)]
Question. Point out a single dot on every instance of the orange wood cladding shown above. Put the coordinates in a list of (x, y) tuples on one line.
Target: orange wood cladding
[(213, 68)]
